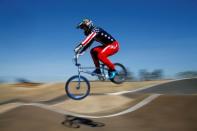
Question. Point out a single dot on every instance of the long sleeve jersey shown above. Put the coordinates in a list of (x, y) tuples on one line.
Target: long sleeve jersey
[(99, 35)]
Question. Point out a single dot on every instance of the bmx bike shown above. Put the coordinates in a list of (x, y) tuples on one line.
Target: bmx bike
[(78, 87)]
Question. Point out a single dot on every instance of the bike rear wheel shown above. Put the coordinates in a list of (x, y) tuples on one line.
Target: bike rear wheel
[(121, 74), (77, 88)]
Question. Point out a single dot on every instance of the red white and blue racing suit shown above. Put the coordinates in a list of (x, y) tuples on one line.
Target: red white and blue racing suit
[(109, 46)]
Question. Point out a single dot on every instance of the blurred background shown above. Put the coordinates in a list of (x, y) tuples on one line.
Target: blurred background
[(158, 38)]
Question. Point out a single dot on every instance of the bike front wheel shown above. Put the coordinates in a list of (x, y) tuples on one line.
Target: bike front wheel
[(77, 87)]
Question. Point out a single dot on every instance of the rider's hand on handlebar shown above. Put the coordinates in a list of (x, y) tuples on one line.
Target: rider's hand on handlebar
[(78, 48)]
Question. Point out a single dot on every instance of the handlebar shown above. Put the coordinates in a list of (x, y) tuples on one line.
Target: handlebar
[(76, 57)]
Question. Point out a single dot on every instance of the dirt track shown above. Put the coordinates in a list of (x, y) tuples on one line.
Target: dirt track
[(165, 113), (55, 91), (173, 111)]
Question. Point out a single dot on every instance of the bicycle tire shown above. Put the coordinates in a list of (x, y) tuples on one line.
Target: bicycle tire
[(124, 74), (74, 96)]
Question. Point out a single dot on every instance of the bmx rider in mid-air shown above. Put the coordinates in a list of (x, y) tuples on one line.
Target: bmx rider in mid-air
[(100, 53)]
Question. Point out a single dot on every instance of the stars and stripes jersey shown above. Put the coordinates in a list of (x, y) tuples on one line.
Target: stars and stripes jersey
[(99, 35)]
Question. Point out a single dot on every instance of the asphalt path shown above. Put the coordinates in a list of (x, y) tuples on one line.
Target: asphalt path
[(185, 86)]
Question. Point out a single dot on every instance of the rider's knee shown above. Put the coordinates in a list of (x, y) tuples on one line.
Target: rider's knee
[(101, 56)]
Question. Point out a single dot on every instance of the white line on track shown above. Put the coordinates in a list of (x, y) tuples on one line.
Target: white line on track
[(146, 87), (135, 90), (50, 107)]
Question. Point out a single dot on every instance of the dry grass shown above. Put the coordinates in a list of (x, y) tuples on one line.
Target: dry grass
[(27, 84)]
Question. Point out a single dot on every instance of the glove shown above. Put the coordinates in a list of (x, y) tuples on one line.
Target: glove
[(78, 48)]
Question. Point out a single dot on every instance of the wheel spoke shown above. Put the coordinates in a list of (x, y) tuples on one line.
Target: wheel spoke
[(77, 89)]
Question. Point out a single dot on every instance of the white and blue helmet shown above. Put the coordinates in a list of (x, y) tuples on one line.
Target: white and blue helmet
[(85, 23)]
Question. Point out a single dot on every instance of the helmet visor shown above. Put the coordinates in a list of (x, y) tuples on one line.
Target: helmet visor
[(81, 25)]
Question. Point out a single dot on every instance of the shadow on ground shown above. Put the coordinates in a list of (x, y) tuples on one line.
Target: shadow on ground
[(75, 122)]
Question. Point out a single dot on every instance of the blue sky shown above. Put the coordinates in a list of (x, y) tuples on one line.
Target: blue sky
[(37, 37)]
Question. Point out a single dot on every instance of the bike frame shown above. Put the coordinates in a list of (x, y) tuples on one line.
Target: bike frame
[(86, 70)]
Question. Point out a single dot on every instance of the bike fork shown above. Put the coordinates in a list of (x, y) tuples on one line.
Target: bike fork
[(79, 80)]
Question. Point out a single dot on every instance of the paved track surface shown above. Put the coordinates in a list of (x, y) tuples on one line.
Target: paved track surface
[(175, 110), (177, 113), (185, 86)]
